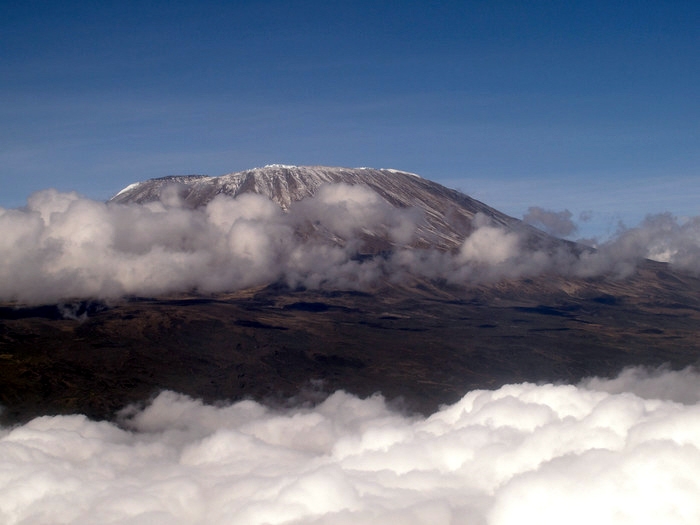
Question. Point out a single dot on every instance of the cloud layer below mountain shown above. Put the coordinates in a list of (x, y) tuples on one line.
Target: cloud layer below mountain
[(61, 246), (623, 450)]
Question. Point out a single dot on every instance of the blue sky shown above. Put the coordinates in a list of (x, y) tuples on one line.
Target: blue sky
[(590, 106)]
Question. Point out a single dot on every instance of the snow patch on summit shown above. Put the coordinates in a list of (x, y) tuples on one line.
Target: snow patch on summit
[(401, 172), (128, 188)]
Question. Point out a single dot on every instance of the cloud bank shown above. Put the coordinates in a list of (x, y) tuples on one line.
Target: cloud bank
[(62, 246), (549, 454)]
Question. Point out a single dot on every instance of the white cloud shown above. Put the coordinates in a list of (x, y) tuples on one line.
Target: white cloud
[(62, 247), (489, 244), (522, 453)]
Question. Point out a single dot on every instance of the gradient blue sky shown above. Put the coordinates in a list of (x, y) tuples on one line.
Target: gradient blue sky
[(591, 106)]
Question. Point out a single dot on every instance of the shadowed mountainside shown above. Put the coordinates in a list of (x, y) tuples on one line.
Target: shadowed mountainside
[(420, 343)]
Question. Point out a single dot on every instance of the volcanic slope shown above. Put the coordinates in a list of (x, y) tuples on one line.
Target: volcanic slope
[(448, 213), (422, 342)]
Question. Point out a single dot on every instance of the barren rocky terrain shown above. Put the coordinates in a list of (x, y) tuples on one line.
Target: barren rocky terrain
[(419, 344)]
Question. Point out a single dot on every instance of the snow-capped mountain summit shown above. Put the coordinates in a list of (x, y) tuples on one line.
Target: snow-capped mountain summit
[(448, 213)]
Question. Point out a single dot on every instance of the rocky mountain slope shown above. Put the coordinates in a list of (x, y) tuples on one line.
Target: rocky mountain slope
[(448, 213)]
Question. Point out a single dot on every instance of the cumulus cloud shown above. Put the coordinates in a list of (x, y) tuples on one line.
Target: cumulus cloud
[(596, 452), (489, 244), (660, 237), (62, 247), (663, 237)]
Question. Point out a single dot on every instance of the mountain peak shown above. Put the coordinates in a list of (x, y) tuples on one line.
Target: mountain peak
[(448, 213), (282, 183)]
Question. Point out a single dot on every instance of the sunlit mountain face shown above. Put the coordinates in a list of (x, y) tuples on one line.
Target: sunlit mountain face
[(446, 215), (334, 345)]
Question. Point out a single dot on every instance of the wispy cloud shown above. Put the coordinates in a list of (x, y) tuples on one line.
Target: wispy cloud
[(558, 223)]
